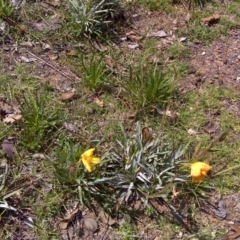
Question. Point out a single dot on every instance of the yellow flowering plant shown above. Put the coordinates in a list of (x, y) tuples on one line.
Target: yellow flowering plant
[(80, 171), (198, 169)]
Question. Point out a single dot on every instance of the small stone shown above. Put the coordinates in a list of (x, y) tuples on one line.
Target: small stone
[(10, 68), (203, 53)]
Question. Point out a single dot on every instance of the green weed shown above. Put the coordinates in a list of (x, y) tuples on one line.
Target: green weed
[(93, 70), (6, 9), (148, 88), (41, 120), (177, 51), (126, 231)]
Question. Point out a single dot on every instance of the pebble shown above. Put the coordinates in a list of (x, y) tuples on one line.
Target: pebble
[(10, 68)]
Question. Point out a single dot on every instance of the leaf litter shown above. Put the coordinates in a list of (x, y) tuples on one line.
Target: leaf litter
[(9, 113), (67, 96)]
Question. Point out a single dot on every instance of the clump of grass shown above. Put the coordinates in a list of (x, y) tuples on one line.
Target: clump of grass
[(93, 71), (92, 17), (6, 9), (41, 119), (149, 87)]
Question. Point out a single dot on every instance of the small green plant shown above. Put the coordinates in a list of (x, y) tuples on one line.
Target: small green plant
[(91, 17), (41, 119), (177, 51), (126, 231), (6, 8), (149, 87), (94, 71)]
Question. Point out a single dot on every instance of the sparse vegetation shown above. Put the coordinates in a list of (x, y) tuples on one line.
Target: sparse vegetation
[(103, 113)]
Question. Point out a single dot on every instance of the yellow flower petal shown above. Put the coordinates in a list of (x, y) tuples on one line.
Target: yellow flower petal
[(87, 165), (95, 160), (199, 170), (88, 159), (88, 153)]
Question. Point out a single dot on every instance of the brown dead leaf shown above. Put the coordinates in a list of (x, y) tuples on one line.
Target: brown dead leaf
[(9, 113), (72, 52), (106, 219), (11, 118), (146, 136), (132, 32), (132, 35), (109, 62), (99, 47), (53, 56), (66, 96), (6, 108), (45, 46), (55, 3), (64, 223), (137, 205), (236, 229), (211, 127), (98, 102), (211, 19)]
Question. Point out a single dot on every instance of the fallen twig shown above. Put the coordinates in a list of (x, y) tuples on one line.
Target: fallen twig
[(50, 65)]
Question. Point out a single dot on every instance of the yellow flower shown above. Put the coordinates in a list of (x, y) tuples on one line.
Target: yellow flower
[(199, 170), (89, 160)]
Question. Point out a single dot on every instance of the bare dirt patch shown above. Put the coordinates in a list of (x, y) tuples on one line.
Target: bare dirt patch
[(217, 64)]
